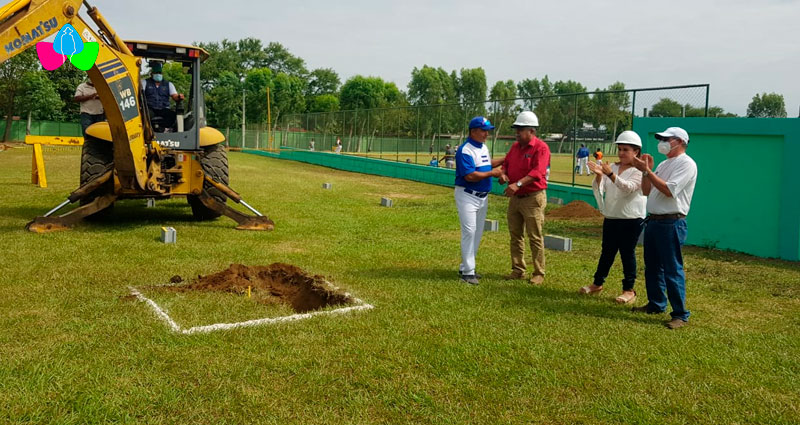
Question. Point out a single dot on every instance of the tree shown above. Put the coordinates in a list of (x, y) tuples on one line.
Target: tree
[(718, 112), (12, 77), (361, 92), (287, 98), (471, 85), (502, 109), (666, 107), (223, 57), (534, 91), (431, 86), (39, 98), (224, 101), (280, 60), (322, 81), (767, 105), (65, 80), (175, 73), (324, 103), (610, 108), (255, 86)]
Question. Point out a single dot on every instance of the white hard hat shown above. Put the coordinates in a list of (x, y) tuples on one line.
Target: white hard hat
[(629, 138), (526, 119)]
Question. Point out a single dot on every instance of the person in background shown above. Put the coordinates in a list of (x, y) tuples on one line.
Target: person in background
[(434, 162), (91, 108), (618, 191), (525, 171), (582, 158), (598, 155), (449, 157), (311, 145), (474, 169), (669, 193), (338, 147)]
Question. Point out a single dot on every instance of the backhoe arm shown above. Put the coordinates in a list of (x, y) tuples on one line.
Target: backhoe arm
[(115, 75)]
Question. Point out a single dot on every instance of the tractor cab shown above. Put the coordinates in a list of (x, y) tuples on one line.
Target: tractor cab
[(176, 124)]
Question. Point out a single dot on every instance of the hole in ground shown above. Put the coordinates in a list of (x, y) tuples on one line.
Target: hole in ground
[(276, 283)]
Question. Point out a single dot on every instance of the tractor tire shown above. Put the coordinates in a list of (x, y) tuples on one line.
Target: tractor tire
[(97, 157), (214, 160)]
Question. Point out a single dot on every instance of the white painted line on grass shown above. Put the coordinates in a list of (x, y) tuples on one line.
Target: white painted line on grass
[(159, 312), (249, 323)]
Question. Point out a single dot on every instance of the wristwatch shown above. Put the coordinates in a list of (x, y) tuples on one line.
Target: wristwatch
[(519, 184), (645, 173)]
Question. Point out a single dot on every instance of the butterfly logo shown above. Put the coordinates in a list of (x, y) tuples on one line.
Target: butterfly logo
[(67, 44)]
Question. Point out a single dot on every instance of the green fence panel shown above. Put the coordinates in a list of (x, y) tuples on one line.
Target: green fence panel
[(746, 198)]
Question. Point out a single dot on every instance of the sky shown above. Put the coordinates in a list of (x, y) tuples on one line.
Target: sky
[(738, 47)]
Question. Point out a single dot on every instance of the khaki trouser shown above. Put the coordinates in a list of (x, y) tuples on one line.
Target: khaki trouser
[(527, 214)]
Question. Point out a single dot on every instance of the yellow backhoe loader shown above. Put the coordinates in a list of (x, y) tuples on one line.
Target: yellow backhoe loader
[(132, 155)]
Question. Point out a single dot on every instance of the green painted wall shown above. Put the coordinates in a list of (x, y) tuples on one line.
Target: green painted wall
[(400, 170), (746, 198)]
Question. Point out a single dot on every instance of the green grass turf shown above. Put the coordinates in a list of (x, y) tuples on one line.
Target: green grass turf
[(74, 349)]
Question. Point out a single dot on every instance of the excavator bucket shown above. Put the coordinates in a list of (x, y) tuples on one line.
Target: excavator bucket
[(246, 222)]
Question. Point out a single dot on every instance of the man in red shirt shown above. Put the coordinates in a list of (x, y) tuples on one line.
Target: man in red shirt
[(525, 169)]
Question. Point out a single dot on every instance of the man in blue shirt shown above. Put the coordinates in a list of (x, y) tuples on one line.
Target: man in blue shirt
[(583, 159), (434, 162), (474, 169)]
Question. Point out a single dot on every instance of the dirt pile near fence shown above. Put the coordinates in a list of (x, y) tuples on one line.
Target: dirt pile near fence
[(276, 283), (575, 209)]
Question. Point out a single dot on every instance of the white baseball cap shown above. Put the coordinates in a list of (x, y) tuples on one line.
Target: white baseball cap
[(674, 132)]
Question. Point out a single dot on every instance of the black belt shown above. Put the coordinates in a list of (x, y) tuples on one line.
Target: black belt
[(665, 216), (478, 194)]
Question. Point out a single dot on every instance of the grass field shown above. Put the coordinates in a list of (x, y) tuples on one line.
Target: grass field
[(76, 349)]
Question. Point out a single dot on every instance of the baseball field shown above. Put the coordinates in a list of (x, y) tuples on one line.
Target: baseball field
[(77, 345)]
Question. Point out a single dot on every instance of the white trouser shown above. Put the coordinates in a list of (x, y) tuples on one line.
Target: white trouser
[(582, 163), (471, 214)]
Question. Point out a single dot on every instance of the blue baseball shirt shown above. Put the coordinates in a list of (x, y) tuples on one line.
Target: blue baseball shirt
[(583, 152), (473, 156)]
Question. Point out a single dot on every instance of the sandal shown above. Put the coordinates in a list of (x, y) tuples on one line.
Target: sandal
[(626, 298), (589, 290)]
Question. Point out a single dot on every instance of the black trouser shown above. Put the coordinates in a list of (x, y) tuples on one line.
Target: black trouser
[(619, 235), (88, 119)]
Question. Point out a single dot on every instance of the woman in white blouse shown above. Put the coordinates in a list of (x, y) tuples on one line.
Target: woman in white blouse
[(618, 191)]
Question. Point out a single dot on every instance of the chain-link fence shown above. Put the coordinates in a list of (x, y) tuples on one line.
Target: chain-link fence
[(424, 134)]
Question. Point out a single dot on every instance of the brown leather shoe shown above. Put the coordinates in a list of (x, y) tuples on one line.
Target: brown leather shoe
[(537, 279), (676, 323), (515, 275)]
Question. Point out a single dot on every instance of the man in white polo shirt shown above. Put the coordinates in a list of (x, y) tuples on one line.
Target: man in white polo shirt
[(474, 169), (669, 191)]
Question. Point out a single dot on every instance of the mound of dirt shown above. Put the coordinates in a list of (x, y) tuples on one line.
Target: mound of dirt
[(575, 209), (276, 283)]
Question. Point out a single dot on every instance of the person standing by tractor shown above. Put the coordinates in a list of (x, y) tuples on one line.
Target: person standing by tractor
[(157, 93), (91, 108)]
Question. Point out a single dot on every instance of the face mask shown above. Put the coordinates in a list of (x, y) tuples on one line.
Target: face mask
[(158, 78), (664, 148)]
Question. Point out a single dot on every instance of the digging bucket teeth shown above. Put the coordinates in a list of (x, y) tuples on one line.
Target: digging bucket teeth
[(244, 221)]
